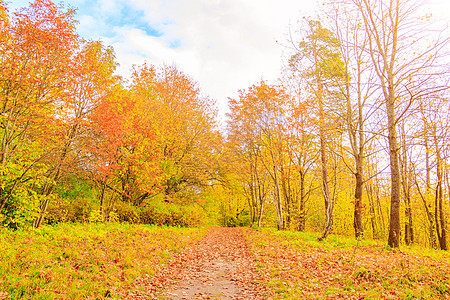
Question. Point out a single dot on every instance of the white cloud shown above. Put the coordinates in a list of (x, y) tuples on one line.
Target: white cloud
[(225, 45)]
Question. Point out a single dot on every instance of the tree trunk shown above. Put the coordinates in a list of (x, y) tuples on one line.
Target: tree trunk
[(278, 204), (287, 197), (409, 232), (323, 151), (261, 214), (102, 200), (394, 221), (373, 218), (406, 185), (358, 225), (431, 227), (438, 208), (380, 210), (324, 165), (301, 212)]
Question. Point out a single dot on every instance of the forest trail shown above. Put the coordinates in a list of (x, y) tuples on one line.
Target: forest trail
[(220, 266)]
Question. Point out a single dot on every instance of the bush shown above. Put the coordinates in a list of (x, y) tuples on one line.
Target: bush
[(21, 209), (22, 199), (69, 210), (96, 217), (113, 217), (240, 220), (171, 215), (126, 213), (74, 201)]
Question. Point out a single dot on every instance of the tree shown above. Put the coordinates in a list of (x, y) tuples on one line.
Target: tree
[(185, 122), (318, 58), (123, 148), (358, 90), (256, 126), (92, 79), (402, 66), (301, 145), (33, 77)]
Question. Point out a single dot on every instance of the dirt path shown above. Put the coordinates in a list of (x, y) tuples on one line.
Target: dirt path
[(220, 266)]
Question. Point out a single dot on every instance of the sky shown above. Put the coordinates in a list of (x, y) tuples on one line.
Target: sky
[(225, 45)]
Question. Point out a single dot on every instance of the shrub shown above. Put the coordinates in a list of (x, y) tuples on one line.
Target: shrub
[(96, 216), (74, 201), (113, 217), (69, 210), (233, 220), (155, 213), (171, 214), (21, 209), (126, 212)]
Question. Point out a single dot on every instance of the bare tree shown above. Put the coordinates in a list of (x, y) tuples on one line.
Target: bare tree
[(402, 65)]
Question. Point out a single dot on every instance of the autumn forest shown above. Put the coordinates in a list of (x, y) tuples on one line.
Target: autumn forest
[(352, 141)]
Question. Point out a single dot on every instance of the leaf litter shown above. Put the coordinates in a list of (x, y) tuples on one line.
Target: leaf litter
[(220, 266)]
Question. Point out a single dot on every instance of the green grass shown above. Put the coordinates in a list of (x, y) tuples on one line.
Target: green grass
[(80, 261), (297, 266), (310, 239)]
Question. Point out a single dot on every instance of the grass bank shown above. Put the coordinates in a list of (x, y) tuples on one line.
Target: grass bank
[(297, 266), (84, 261)]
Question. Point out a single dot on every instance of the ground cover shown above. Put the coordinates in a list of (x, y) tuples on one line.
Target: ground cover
[(85, 261), (297, 266), (122, 261), (220, 266)]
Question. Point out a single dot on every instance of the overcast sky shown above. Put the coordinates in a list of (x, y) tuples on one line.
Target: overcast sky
[(225, 45)]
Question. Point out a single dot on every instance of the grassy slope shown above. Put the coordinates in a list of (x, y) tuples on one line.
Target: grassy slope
[(80, 261), (299, 267)]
